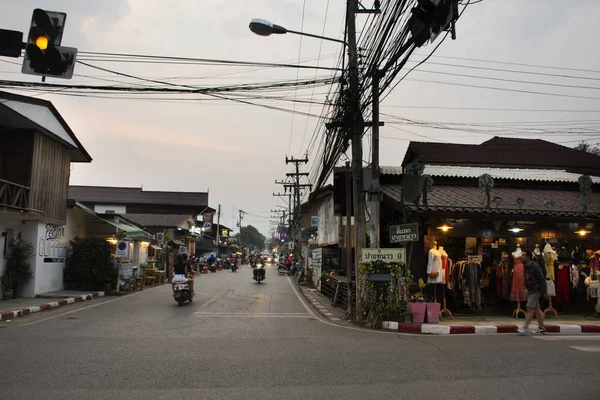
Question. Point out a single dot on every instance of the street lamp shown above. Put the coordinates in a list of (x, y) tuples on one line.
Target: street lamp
[(262, 27)]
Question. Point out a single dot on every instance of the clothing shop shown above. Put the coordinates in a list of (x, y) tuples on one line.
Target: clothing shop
[(475, 266)]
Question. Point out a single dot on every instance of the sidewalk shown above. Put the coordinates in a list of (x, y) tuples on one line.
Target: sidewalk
[(490, 325), (323, 305), (10, 309)]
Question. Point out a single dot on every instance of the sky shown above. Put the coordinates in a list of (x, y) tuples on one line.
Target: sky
[(472, 88)]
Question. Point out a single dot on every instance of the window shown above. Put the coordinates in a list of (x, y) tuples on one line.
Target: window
[(8, 235)]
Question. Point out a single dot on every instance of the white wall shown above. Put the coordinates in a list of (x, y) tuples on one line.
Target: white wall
[(52, 250), (329, 224), (102, 208), (76, 224)]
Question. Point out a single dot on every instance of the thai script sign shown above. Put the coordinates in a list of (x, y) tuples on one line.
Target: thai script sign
[(404, 233), (384, 255)]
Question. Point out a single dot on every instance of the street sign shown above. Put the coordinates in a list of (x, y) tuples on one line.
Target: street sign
[(207, 225), (160, 237), (404, 233), (384, 255), (182, 249), (314, 220), (122, 250)]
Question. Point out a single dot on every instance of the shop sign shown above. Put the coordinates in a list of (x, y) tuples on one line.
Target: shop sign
[(224, 233), (404, 233), (314, 220), (51, 244), (122, 250), (476, 259), (384, 255)]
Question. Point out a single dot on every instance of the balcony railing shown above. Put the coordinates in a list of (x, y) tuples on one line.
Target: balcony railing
[(13, 195)]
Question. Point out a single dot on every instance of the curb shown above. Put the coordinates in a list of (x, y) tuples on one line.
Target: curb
[(8, 315), (434, 329), (316, 304)]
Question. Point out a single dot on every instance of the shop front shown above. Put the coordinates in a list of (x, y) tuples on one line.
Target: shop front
[(471, 256)]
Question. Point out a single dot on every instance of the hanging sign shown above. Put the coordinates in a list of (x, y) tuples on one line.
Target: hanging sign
[(384, 255), (404, 233), (476, 259), (314, 220), (122, 249)]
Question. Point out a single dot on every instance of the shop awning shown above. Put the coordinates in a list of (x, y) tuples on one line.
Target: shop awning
[(508, 201), (155, 247), (131, 231)]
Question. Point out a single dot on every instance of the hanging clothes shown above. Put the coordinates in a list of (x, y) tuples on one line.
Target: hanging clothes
[(575, 276), (549, 263), (445, 270), (502, 275), (562, 283), (471, 287), (518, 291)]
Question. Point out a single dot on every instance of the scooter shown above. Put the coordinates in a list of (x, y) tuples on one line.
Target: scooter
[(259, 273), (181, 293), (283, 269), (234, 267)]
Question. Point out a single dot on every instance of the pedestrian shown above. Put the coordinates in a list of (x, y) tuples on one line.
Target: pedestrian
[(535, 283)]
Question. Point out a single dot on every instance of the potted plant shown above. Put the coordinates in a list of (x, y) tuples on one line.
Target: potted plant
[(417, 305), (7, 292), (18, 267)]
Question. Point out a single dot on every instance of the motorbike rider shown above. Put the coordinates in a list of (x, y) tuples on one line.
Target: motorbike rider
[(181, 272), (256, 270)]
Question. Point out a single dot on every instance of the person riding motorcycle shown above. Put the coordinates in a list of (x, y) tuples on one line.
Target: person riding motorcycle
[(256, 270), (181, 272)]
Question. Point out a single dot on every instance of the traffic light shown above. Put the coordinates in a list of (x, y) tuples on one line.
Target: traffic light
[(43, 53)]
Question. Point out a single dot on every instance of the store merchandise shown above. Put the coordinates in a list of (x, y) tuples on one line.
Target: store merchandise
[(562, 283), (517, 290), (434, 265)]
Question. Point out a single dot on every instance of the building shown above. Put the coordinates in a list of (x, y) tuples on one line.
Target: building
[(37, 147)]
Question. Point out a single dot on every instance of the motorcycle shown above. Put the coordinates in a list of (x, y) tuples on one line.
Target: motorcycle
[(259, 273), (212, 266), (283, 269), (234, 267), (181, 293), (252, 262)]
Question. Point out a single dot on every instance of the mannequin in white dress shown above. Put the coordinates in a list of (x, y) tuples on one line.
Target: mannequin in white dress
[(434, 265)]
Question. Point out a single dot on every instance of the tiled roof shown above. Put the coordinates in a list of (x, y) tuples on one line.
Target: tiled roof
[(128, 195), (505, 152), (504, 201), (526, 174), (159, 220)]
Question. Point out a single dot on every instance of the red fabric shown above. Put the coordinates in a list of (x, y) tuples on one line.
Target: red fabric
[(562, 284)]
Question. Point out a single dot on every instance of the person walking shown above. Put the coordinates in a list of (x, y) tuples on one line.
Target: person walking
[(535, 283)]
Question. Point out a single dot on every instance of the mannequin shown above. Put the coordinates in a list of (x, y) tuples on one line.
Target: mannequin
[(445, 280), (537, 252), (434, 265), (518, 292), (549, 260)]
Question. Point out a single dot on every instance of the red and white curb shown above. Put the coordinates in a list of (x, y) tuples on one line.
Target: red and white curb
[(435, 329), (8, 315)]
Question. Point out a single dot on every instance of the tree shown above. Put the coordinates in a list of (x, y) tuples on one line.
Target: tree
[(249, 235), (589, 148)]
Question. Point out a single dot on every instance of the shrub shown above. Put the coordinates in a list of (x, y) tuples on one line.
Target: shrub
[(90, 264)]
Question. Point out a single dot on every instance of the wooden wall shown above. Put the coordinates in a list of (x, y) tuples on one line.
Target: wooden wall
[(51, 167)]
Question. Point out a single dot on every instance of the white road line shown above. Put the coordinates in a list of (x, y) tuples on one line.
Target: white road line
[(567, 337), (589, 349), (87, 307)]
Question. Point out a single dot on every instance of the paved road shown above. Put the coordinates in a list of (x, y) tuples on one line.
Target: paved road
[(241, 340)]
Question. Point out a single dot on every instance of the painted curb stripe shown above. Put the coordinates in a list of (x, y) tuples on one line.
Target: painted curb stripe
[(42, 307), (432, 329)]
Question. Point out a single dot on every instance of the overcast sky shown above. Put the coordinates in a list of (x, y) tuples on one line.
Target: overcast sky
[(237, 151)]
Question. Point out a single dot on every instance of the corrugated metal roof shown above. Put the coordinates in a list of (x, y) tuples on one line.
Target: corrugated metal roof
[(503, 200), (129, 195), (525, 174)]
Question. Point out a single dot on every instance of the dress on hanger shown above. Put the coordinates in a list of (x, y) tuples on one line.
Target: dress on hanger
[(445, 267), (434, 264), (517, 290)]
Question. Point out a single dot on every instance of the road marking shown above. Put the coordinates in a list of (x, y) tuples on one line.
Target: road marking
[(87, 307), (567, 337), (253, 315), (588, 349)]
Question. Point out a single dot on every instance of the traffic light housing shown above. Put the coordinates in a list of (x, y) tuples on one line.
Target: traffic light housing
[(44, 55)]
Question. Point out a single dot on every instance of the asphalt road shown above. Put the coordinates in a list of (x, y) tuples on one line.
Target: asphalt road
[(242, 340)]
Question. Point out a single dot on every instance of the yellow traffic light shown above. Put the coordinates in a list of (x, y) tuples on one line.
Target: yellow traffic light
[(42, 42)]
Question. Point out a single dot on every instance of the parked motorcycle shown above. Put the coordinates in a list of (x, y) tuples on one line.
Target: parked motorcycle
[(212, 266), (283, 269), (181, 293), (234, 267), (259, 272)]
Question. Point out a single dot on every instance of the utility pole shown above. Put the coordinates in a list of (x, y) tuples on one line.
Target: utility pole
[(356, 131), (218, 229), (375, 188), (240, 225), (297, 187), (348, 234)]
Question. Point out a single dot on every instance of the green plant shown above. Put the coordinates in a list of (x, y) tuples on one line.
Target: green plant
[(90, 264), (6, 283), (418, 296), (388, 298), (18, 267)]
